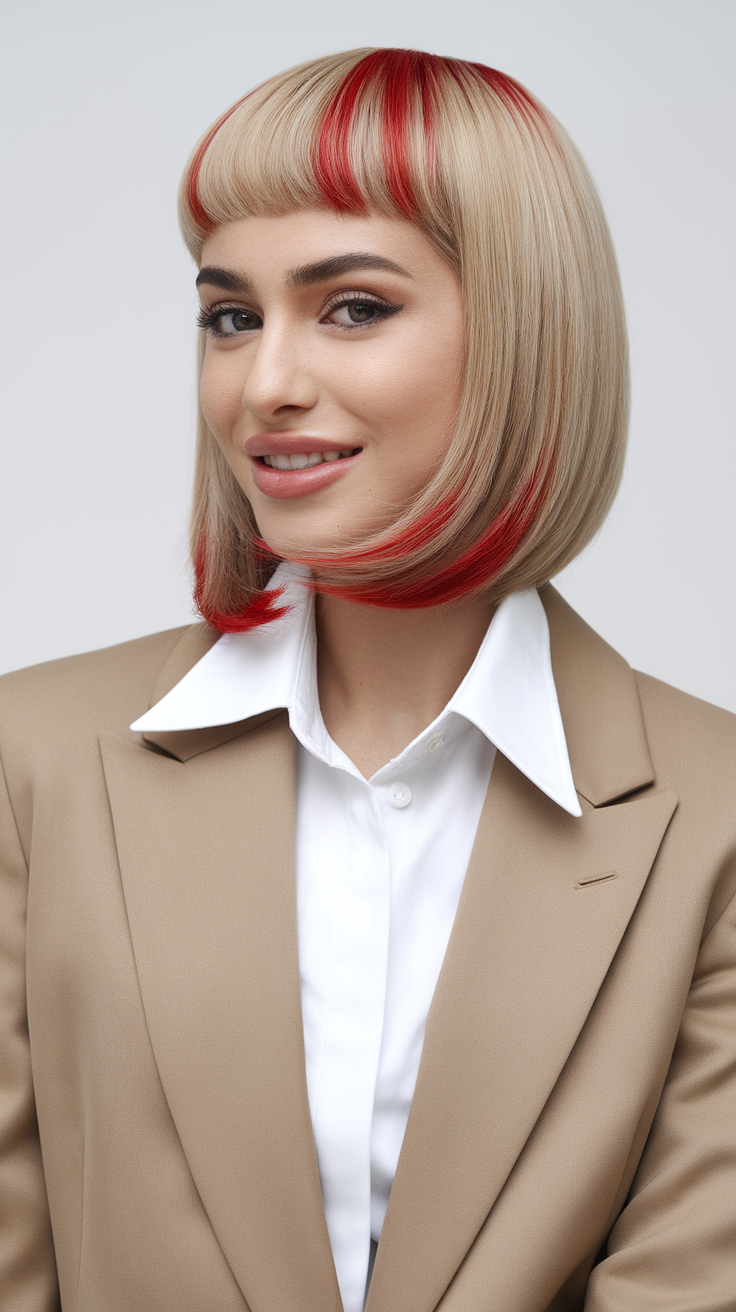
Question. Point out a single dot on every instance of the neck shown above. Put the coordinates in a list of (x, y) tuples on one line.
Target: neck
[(384, 675)]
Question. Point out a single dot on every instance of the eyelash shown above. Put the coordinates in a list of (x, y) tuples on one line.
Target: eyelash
[(208, 319), (385, 308)]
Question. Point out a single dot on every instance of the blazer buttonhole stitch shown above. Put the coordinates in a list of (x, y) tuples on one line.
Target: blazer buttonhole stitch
[(596, 879)]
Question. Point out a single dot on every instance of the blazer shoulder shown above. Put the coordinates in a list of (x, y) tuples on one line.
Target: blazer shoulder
[(685, 726), (108, 688)]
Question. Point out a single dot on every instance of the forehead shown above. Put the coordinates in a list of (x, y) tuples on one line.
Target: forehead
[(284, 243)]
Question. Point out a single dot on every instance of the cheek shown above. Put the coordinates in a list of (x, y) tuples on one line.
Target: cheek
[(413, 398), (220, 395)]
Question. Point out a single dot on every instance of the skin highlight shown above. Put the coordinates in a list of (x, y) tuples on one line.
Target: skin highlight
[(336, 342)]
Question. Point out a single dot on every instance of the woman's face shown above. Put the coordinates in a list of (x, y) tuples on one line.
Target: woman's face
[(332, 368)]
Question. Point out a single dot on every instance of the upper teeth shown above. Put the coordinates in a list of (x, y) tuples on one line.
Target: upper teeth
[(304, 461)]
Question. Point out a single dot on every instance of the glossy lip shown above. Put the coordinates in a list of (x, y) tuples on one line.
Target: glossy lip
[(300, 482), (285, 483)]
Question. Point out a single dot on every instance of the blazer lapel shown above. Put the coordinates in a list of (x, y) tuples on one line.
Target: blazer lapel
[(545, 903), (206, 851)]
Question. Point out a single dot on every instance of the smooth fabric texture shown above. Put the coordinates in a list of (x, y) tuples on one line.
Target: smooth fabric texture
[(379, 868), (572, 1137)]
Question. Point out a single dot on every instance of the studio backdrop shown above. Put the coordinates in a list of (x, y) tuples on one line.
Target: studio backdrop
[(102, 102)]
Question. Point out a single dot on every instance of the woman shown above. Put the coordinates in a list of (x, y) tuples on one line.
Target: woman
[(403, 776)]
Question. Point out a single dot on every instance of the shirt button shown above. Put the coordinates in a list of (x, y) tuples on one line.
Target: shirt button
[(399, 795), (435, 742)]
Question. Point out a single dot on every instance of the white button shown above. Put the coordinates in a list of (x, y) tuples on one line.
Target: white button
[(399, 795), (435, 743)]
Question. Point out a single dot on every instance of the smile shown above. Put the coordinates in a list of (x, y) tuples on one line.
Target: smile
[(305, 460), (297, 474)]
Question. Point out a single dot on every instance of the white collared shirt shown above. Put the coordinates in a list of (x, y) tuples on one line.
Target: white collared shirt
[(380, 865)]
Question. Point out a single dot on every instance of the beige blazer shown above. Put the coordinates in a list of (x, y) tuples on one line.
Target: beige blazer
[(576, 1102)]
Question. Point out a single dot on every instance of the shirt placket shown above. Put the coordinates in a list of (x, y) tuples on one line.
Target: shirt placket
[(352, 1039)]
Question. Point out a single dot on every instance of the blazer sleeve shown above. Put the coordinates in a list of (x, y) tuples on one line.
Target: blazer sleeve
[(674, 1244), (28, 1281)]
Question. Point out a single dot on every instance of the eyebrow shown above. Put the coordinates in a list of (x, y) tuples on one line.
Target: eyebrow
[(306, 274), (336, 265), (213, 276)]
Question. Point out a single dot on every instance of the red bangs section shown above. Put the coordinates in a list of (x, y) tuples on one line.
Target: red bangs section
[(404, 77)]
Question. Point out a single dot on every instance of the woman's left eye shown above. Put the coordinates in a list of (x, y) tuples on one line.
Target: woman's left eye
[(355, 311)]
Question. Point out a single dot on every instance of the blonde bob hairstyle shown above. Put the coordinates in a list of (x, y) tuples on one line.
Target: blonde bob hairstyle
[(496, 185)]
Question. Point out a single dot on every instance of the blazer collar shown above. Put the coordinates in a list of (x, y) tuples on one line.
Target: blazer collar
[(601, 711)]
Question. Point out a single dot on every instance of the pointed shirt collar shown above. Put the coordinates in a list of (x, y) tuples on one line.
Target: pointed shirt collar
[(508, 693)]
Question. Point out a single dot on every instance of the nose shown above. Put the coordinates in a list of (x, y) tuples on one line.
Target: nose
[(280, 382)]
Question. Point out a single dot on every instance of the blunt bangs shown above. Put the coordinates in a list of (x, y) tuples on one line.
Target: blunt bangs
[(493, 181)]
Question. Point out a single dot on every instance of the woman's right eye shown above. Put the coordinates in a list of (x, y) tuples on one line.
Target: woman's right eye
[(228, 321)]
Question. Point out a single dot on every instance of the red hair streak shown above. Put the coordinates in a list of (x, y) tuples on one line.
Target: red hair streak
[(472, 570), (514, 96), (192, 189), (402, 74)]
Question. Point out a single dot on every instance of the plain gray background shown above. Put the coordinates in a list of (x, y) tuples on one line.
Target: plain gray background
[(102, 103)]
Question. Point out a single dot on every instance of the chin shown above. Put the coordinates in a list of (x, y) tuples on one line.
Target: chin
[(316, 538)]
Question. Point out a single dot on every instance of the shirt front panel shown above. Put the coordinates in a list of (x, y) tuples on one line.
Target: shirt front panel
[(380, 868)]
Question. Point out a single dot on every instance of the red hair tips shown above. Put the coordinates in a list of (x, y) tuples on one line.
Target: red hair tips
[(474, 568), (261, 610)]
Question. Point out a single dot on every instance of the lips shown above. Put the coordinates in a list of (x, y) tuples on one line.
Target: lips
[(306, 471), (292, 464)]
